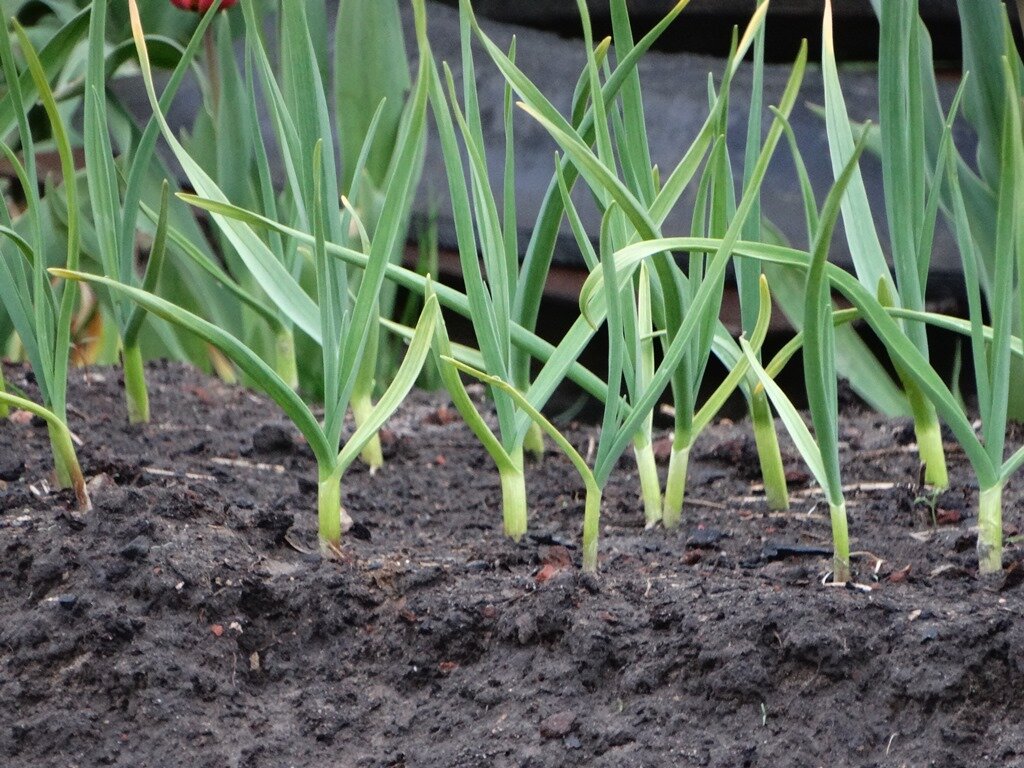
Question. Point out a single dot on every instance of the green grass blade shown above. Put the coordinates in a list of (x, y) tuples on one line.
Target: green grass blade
[(390, 230), (101, 176), (153, 267), (748, 272), (143, 154), (187, 248), (725, 389), (901, 122), (865, 249), (58, 365), (1010, 208), (579, 231), (328, 288), (545, 232), (616, 345), (819, 336), (485, 321), (984, 103), (854, 359), (806, 190), (489, 229), (372, 73), (444, 349), (635, 151)]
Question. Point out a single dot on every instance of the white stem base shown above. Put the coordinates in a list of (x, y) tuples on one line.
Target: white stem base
[(990, 531), (650, 485), (675, 486)]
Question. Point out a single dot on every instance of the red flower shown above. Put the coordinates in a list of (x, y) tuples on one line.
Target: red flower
[(201, 6)]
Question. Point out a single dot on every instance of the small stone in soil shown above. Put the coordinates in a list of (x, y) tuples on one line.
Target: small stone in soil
[(947, 516), (557, 725), (388, 443), (526, 628), (555, 555), (797, 477), (21, 418), (897, 577), (442, 416), (100, 484)]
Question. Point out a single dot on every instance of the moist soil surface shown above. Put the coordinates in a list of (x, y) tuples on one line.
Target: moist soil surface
[(187, 621)]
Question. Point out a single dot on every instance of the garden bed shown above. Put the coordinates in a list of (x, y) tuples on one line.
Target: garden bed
[(186, 620)]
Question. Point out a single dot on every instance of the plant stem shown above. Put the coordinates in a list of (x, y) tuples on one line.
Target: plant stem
[(675, 485), (135, 393), (513, 497), (329, 511), (63, 459), (990, 530), (5, 409), (929, 437), (591, 526), (361, 400), (533, 443), (285, 364), (650, 485), (372, 453), (841, 542), (767, 441), (65, 462)]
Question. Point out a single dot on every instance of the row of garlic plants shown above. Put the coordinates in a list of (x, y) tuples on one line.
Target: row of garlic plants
[(315, 262)]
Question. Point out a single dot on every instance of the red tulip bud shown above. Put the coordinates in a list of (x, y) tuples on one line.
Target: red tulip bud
[(201, 6)]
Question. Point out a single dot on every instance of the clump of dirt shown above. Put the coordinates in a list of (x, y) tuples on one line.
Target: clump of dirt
[(187, 620)]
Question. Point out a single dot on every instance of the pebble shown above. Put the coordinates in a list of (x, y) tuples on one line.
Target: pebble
[(557, 725)]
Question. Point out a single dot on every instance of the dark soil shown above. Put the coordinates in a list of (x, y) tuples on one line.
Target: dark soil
[(184, 621)]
